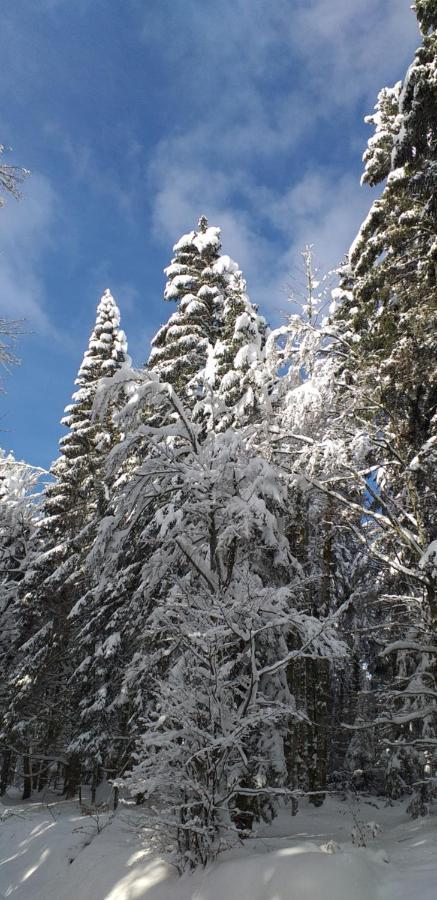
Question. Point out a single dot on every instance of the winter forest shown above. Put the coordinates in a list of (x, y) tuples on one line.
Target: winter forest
[(221, 605)]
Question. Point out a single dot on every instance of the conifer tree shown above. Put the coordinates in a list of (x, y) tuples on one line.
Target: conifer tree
[(391, 312), (386, 330), (305, 436), (18, 521), (211, 348), (203, 519), (78, 488), (180, 347), (115, 603), (236, 379), (40, 709), (108, 618)]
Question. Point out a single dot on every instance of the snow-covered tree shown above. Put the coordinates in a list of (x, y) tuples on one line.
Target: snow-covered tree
[(390, 315), (107, 615), (10, 178), (199, 595), (222, 603), (426, 13), (236, 380), (306, 436), (180, 348), (211, 348), (39, 709), (225, 523), (18, 511), (383, 335), (78, 487)]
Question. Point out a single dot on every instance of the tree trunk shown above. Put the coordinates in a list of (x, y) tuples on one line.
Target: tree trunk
[(94, 785), (27, 777), (72, 776), (36, 769), (5, 771)]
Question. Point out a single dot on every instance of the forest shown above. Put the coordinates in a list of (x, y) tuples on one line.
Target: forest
[(222, 602)]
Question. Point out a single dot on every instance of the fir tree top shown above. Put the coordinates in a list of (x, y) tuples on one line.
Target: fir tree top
[(83, 447), (206, 240), (107, 351), (235, 372), (107, 347), (180, 348)]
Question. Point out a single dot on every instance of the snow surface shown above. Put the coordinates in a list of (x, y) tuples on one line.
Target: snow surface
[(199, 239), (51, 851)]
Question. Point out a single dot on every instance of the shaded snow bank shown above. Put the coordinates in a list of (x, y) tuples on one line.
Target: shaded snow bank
[(58, 854), (295, 873)]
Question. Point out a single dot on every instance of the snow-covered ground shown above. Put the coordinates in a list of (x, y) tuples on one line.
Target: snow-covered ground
[(50, 851)]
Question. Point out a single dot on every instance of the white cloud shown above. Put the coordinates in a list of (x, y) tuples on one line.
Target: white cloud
[(353, 49), (25, 234), (276, 72), (110, 183), (325, 212), (323, 208), (187, 192)]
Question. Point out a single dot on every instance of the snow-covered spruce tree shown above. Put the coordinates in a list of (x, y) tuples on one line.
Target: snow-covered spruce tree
[(221, 604), (391, 311), (18, 511), (180, 348), (196, 560), (108, 617), (211, 348), (41, 707), (379, 413), (111, 618), (386, 327), (236, 382), (78, 490)]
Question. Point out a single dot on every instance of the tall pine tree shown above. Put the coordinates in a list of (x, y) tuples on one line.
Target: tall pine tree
[(386, 340), (41, 706), (180, 348)]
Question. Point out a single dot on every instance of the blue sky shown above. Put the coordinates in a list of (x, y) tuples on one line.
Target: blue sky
[(136, 116)]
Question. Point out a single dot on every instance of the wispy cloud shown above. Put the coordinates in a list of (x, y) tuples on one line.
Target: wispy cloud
[(110, 182), (26, 232), (350, 50), (263, 227), (325, 211), (262, 78)]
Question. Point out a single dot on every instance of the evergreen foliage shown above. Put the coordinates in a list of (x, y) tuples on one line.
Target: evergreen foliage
[(78, 488), (180, 348), (387, 325), (226, 598), (18, 522), (211, 348), (39, 713), (238, 380)]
